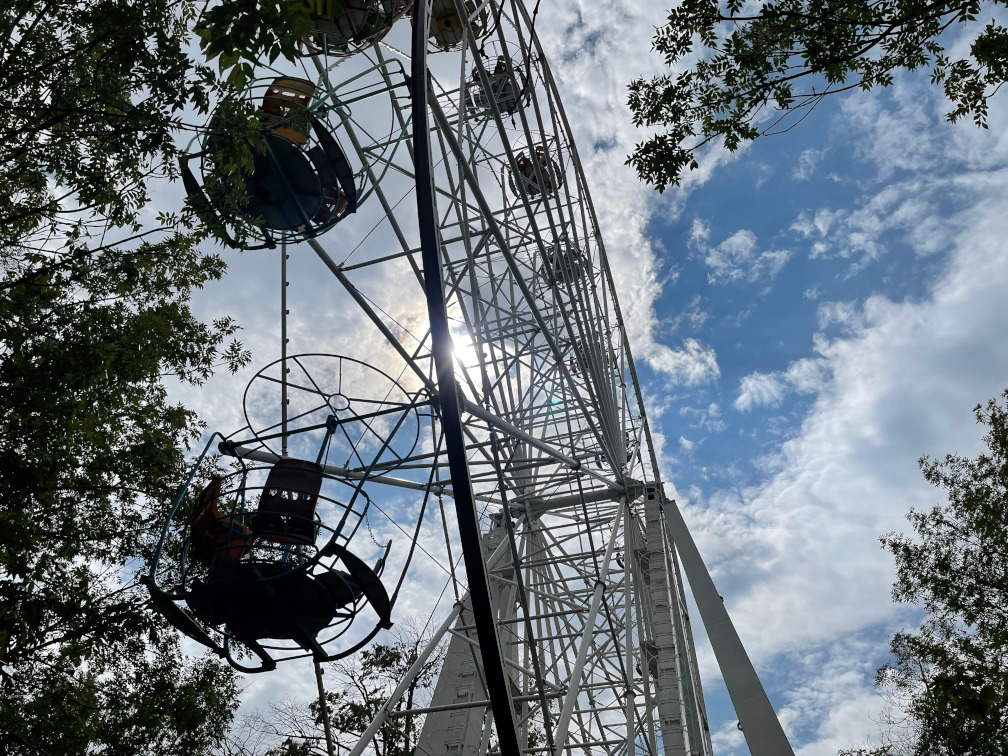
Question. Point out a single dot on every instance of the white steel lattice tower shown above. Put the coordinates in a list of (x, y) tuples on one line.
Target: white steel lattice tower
[(461, 181), (582, 642)]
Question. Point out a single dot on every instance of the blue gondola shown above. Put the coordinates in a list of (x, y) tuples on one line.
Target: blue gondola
[(300, 184)]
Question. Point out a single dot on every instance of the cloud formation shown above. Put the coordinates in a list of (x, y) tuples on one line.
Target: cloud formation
[(737, 258), (892, 376), (596, 84), (807, 161), (796, 554)]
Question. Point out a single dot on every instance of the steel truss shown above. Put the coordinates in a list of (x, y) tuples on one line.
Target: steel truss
[(570, 632)]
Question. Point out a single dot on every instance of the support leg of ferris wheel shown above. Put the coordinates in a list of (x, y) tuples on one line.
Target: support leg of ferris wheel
[(757, 719)]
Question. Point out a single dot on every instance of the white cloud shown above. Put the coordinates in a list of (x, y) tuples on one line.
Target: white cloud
[(824, 220), (728, 739), (807, 161), (692, 365), (736, 259), (916, 170), (759, 390), (837, 703), (706, 419), (797, 555), (691, 316), (806, 376), (910, 207), (897, 139), (803, 225), (847, 315), (699, 231)]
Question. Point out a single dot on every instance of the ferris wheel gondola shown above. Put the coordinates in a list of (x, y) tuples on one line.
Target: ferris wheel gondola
[(300, 183), (281, 158), (252, 566), (342, 27), (261, 557), (502, 88)]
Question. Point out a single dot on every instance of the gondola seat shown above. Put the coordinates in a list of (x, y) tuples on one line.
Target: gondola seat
[(286, 512)]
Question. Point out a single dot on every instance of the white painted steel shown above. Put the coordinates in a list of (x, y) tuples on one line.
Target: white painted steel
[(574, 684), (763, 732), (589, 604)]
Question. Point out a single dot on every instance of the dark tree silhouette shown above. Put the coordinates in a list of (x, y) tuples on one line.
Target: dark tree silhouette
[(94, 316), (950, 676)]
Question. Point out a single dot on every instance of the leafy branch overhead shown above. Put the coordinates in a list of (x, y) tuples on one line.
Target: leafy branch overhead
[(96, 313), (237, 33), (740, 71), (241, 31)]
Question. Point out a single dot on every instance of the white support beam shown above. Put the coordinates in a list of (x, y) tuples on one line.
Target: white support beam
[(757, 718), (628, 663), (401, 688)]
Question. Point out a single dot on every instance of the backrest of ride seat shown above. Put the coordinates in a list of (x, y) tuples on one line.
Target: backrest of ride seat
[(285, 106), (286, 512)]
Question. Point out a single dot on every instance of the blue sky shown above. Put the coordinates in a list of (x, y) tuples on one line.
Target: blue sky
[(809, 316)]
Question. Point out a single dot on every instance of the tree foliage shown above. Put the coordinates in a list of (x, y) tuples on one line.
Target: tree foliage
[(952, 672), (94, 316), (741, 70), (367, 682), (237, 33), (356, 689)]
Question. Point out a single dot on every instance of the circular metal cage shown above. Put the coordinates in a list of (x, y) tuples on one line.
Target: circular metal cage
[(280, 161), (538, 173), (342, 27), (267, 555), (503, 86), (255, 561)]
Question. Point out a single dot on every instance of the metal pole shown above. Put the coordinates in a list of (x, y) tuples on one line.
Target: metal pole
[(628, 613), (324, 708), (639, 583), (497, 681), (261, 455), (283, 351), (563, 723)]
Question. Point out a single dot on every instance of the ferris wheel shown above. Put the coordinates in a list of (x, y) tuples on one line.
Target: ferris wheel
[(423, 149)]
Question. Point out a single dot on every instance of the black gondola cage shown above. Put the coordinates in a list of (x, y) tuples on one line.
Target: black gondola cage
[(255, 560), (267, 552), (271, 166)]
